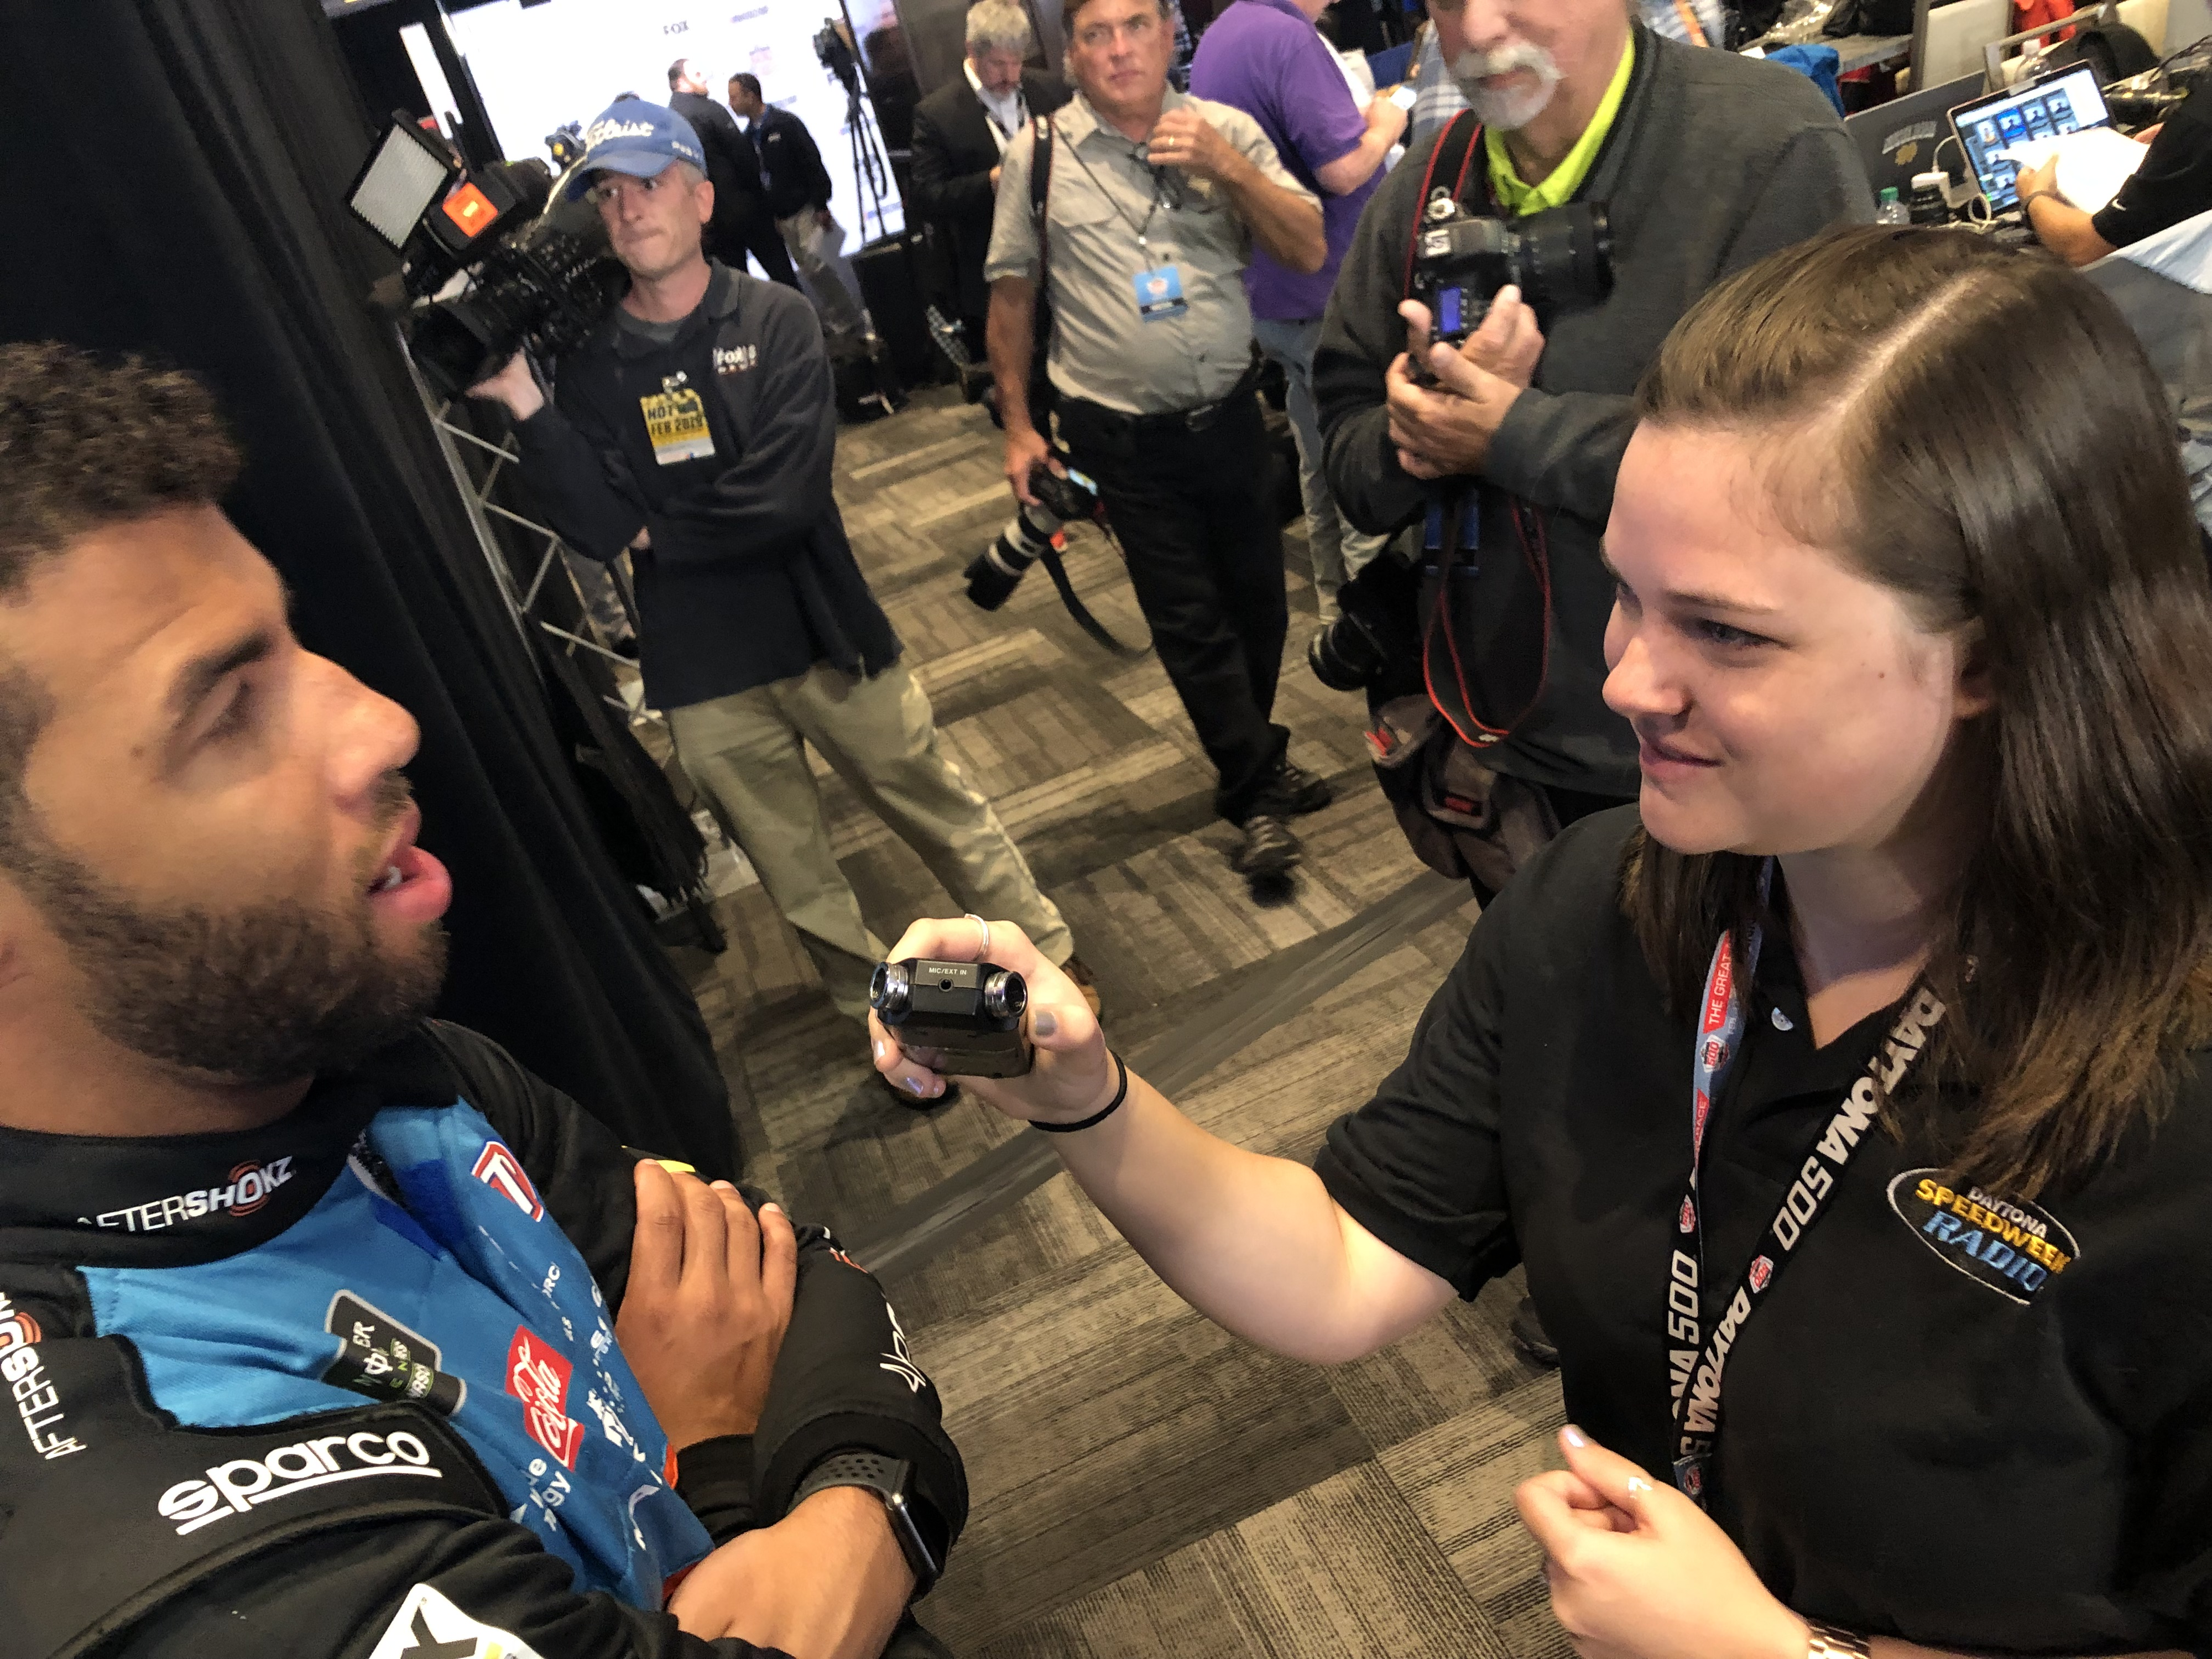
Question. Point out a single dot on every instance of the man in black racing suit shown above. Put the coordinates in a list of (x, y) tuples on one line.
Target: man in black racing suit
[(327, 1329)]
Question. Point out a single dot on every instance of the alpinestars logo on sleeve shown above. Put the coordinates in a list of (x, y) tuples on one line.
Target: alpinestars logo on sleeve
[(429, 1626), (898, 1362)]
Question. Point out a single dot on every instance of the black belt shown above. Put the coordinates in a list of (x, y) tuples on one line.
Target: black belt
[(1117, 424)]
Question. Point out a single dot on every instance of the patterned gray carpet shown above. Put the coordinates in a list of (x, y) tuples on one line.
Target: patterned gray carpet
[(1143, 1483)]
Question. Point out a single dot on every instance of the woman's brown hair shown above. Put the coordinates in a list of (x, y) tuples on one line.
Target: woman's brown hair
[(1980, 432)]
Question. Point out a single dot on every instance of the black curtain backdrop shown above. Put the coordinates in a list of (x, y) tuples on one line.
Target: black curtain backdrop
[(175, 186)]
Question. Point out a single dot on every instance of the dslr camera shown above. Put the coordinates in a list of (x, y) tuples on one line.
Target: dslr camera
[(1561, 260), (1376, 632), (968, 1012), (538, 268), (995, 573)]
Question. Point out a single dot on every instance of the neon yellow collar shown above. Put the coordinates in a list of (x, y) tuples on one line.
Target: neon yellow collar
[(1559, 188)]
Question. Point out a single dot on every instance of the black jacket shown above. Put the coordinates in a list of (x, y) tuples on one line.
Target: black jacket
[(110, 1540), (797, 180), (1714, 162), (750, 578), (732, 164), (2175, 180), (953, 155)]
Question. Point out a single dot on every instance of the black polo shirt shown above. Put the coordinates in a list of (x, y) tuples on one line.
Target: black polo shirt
[(1914, 1443), (2175, 180)]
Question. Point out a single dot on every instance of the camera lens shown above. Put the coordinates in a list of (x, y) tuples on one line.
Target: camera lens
[(993, 573), (890, 992), (1005, 995), (1344, 656)]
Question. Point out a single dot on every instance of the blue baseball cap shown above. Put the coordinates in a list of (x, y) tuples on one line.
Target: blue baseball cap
[(638, 138)]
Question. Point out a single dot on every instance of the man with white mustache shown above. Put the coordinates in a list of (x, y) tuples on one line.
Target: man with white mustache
[(1705, 162)]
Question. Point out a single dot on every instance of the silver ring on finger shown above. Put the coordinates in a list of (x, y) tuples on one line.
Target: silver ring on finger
[(983, 951)]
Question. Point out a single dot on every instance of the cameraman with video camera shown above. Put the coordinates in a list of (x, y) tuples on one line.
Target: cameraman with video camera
[(1704, 162), (696, 427)]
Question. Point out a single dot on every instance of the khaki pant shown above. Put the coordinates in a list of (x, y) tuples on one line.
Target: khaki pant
[(1338, 551), (746, 755), (825, 286)]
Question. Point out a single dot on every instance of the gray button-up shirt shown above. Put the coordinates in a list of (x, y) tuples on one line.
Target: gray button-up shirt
[(1102, 195)]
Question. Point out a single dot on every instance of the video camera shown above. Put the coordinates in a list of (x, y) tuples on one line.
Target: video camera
[(540, 272), (999, 568), (833, 49)]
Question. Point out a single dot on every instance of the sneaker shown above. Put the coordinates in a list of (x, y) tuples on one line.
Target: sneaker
[(1078, 970), (1269, 848), (1291, 791)]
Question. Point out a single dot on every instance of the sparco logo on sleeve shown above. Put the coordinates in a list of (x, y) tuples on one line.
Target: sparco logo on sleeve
[(248, 1190), (37, 1402), (238, 1486)]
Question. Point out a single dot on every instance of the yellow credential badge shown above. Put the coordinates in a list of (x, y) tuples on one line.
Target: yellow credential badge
[(676, 424)]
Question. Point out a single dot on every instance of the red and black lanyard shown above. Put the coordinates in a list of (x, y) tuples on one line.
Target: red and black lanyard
[(1696, 1360)]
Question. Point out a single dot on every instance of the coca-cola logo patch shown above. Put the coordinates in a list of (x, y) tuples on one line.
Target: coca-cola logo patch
[(538, 1376)]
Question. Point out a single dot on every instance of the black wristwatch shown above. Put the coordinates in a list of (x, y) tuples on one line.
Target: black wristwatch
[(890, 1478)]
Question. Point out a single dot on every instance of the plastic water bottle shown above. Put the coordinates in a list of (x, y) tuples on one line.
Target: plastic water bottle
[(1889, 210)]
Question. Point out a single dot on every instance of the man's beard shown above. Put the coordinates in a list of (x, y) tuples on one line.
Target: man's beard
[(1506, 110), (265, 995)]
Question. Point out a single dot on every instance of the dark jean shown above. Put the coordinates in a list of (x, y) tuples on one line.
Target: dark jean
[(1194, 510)]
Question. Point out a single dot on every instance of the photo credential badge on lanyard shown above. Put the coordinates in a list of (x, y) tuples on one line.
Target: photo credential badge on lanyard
[(676, 423), (1160, 294)]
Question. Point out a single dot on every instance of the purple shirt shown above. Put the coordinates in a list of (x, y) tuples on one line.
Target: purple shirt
[(1264, 58)]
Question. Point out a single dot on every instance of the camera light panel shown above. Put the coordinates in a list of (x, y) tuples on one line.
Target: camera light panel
[(399, 186)]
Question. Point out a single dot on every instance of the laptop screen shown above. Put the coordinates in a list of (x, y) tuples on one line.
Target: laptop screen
[(1987, 128)]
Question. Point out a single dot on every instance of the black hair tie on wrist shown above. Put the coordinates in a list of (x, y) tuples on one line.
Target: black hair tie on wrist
[(1112, 1106)]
